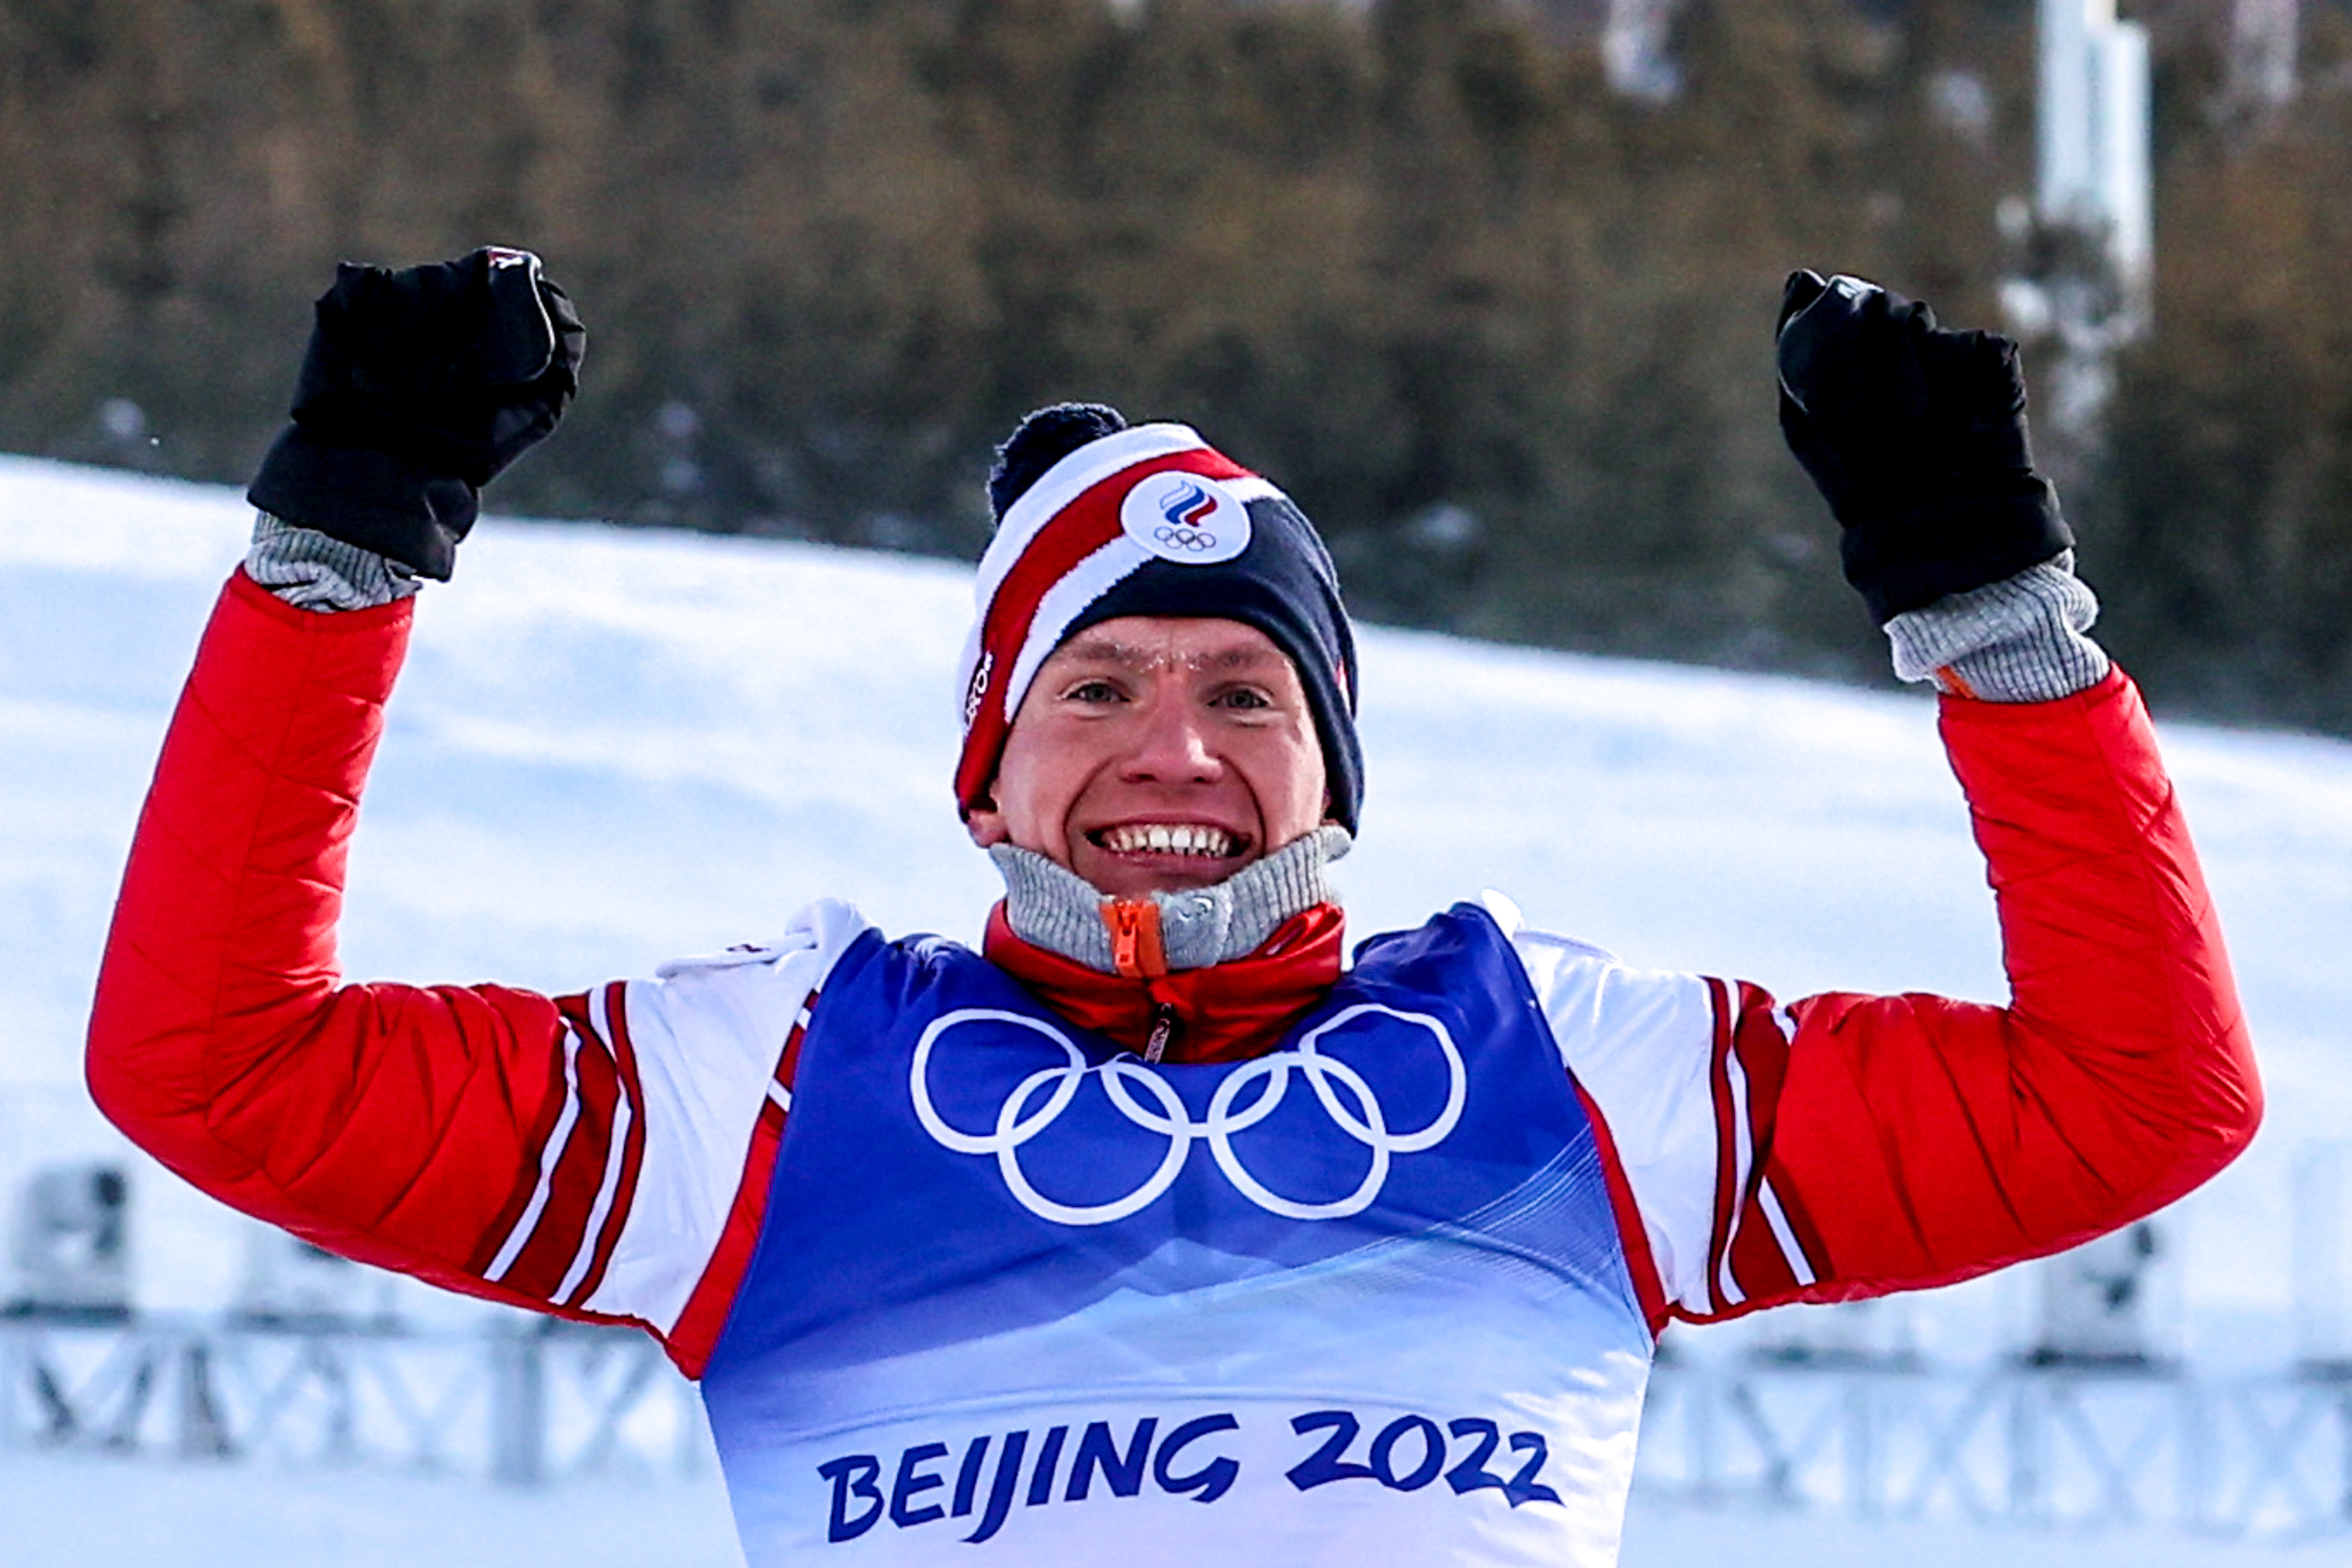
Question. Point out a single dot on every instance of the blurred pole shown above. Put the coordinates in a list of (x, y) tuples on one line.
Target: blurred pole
[(2086, 287), (2098, 1304), (204, 1432), (1634, 49), (518, 1405), (2026, 1459), (2266, 39), (2322, 1261), (2094, 167)]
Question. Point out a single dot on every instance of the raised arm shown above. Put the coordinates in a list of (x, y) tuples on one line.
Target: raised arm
[(391, 1123), (1844, 1145), (1888, 1142), (586, 1155), (599, 1154), (1920, 1140), (388, 1124)]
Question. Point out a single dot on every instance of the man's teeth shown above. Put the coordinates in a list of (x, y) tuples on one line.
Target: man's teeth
[(1169, 838)]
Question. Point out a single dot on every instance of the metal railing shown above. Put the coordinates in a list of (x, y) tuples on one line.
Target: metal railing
[(535, 1402), (530, 1402), (2014, 1444)]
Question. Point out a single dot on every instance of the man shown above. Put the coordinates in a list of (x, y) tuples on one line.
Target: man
[(1155, 1232)]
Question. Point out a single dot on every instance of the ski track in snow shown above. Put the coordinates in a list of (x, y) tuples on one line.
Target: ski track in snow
[(614, 747)]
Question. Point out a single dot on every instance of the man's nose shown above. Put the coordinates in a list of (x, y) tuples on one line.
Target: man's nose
[(1172, 745)]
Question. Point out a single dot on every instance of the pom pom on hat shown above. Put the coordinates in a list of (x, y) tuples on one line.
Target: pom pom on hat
[(1043, 439), (1097, 518)]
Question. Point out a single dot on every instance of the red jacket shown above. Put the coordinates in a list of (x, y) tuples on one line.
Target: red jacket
[(551, 1151)]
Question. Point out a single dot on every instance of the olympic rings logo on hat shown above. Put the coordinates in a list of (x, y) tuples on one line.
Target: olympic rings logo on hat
[(1038, 1100), (1186, 517)]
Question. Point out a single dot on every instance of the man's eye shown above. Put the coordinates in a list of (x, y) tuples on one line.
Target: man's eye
[(1245, 697), (1092, 692)]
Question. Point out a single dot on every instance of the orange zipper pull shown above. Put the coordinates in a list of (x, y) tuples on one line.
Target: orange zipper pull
[(1135, 949)]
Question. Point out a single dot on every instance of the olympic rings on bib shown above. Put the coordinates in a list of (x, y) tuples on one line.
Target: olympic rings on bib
[(1247, 1096), (1182, 538)]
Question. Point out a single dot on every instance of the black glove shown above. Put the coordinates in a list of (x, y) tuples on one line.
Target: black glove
[(1916, 437), (419, 386)]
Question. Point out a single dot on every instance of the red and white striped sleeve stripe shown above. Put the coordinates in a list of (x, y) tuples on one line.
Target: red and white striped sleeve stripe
[(1764, 1247), (1681, 1074), (718, 1044), (651, 1177), (556, 1246)]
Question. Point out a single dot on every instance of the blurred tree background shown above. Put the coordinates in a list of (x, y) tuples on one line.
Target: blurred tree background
[(1499, 315)]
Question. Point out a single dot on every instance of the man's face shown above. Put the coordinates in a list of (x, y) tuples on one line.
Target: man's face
[(1154, 752)]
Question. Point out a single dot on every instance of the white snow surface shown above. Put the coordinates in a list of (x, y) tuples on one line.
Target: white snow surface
[(612, 747)]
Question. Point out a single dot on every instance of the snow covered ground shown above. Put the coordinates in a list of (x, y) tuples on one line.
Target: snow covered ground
[(614, 748), (96, 1513)]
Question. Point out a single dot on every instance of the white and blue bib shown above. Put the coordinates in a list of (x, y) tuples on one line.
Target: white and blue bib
[(1022, 1297)]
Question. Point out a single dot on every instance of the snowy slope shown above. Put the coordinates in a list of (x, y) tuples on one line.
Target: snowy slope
[(612, 747), (72, 1514)]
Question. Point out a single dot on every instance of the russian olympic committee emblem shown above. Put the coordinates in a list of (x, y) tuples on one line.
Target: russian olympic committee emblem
[(1189, 518), (1248, 1094)]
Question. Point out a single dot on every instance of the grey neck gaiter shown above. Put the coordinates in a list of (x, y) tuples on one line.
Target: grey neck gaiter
[(1050, 906)]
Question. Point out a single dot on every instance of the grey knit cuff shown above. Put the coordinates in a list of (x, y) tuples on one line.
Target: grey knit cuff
[(1050, 906), (2017, 640), (312, 572)]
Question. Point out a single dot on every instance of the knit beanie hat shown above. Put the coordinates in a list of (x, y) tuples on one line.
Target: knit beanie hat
[(1096, 519)]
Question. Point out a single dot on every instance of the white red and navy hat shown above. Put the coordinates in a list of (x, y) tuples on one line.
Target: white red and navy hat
[(1096, 519)]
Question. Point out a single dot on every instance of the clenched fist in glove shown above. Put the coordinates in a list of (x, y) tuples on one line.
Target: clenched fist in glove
[(1916, 437), (419, 386)]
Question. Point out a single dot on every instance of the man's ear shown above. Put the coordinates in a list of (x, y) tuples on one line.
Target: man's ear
[(985, 823)]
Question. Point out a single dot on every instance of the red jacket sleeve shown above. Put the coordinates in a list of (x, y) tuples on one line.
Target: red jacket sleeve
[(401, 1126), (1872, 1143)]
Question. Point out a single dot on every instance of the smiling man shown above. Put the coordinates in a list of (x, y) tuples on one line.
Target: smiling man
[(1155, 1231), (1159, 754)]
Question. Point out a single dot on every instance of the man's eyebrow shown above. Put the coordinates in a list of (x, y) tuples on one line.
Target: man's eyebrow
[(1127, 655), (1245, 656), (1103, 650)]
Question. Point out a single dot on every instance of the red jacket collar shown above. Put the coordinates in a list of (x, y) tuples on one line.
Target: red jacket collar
[(1226, 1012)]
